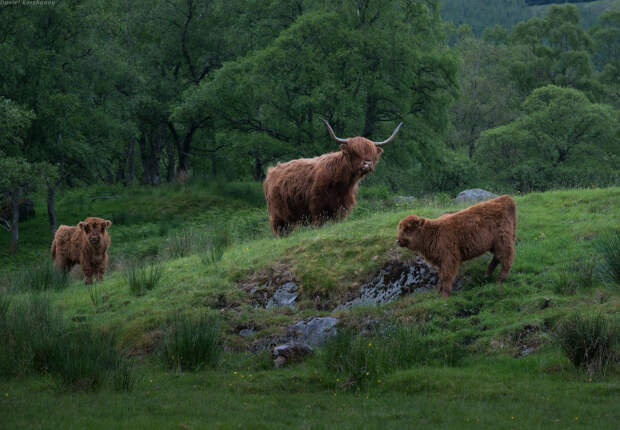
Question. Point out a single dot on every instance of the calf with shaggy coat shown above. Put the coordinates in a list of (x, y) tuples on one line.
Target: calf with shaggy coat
[(452, 238), (313, 190), (85, 245)]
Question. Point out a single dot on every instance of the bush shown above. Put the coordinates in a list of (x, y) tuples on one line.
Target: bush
[(142, 279), (357, 360), (40, 277), (589, 341), (608, 247), (191, 344)]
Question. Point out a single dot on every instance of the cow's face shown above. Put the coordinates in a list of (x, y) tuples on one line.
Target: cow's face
[(409, 232), (95, 229), (362, 153)]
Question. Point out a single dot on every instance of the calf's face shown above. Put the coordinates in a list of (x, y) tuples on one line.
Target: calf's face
[(95, 229), (409, 232)]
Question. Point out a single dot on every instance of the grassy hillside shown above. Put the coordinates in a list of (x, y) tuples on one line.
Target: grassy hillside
[(556, 273)]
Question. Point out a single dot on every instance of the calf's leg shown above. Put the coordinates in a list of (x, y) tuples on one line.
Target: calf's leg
[(447, 273)]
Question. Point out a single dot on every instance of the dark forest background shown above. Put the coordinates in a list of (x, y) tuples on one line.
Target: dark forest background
[(492, 94)]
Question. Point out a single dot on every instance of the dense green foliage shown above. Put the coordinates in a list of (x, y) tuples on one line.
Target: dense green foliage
[(164, 91)]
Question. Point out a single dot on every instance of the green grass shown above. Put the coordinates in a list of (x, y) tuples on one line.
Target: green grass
[(487, 327)]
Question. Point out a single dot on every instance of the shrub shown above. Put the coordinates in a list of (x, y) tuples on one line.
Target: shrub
[(40, 277), (589, 341), (192, 343), (608, 247), (142, 279)]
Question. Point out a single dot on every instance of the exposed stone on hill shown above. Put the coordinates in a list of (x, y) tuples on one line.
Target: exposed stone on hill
[(474, 195), (397, 279), (284, 296), (314, 331), (290, 352)]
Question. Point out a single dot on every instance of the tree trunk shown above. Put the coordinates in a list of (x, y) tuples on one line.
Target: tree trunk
[(130, 162), (51, 211), (214, 164), (259, 174), (184, 149), (170, 166), (150, 154), (371, 117), (14, 221)]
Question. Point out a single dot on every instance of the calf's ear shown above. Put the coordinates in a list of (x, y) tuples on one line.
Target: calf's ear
[(82, 226), (107, 223)]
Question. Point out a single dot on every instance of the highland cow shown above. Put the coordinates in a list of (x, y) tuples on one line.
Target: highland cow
[(314, 190), (85, 245), (452, 238)]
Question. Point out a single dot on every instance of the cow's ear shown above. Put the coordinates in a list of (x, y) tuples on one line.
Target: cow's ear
[(379, 150), (107, 224), (344, 147), (82, 226)]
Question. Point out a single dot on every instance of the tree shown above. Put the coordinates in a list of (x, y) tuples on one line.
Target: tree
[(361, 65), (562, 139)]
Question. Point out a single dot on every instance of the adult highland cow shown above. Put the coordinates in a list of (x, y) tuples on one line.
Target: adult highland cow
[(313, 190), (85, 245)]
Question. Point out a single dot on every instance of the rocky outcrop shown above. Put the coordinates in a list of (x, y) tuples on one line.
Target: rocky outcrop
[(395, 280), (290, 352), (474, 195)]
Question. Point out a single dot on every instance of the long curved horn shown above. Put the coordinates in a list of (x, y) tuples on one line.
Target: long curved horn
[(389, 139), (331, 133)]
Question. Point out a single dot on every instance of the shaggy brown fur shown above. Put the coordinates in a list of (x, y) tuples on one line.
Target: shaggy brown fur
[(313, 190), (85, 245), (450, 239)]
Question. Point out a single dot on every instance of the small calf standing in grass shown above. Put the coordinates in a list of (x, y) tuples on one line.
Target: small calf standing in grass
[(85, 245), (452, 238)]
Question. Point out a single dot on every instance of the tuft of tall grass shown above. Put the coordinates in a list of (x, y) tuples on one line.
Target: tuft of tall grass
[(192, 343), (608, 247), (28, 330), (358, 360), (40, 277), (589, 341), (218, 242), (35, 339), (143, 279), (186, 242)]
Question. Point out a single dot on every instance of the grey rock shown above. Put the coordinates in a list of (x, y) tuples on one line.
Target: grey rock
[(396, 280), (247, 332), (474, 195), (290, 352), (314, 331), (284, 296)]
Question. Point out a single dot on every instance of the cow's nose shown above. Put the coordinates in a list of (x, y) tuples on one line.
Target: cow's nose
[(401, 242)]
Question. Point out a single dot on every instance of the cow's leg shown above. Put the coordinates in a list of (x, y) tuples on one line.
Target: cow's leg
[(100, 276), (447, 273), (505, 254), (492, 265), (88, 275), (280, 227)]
